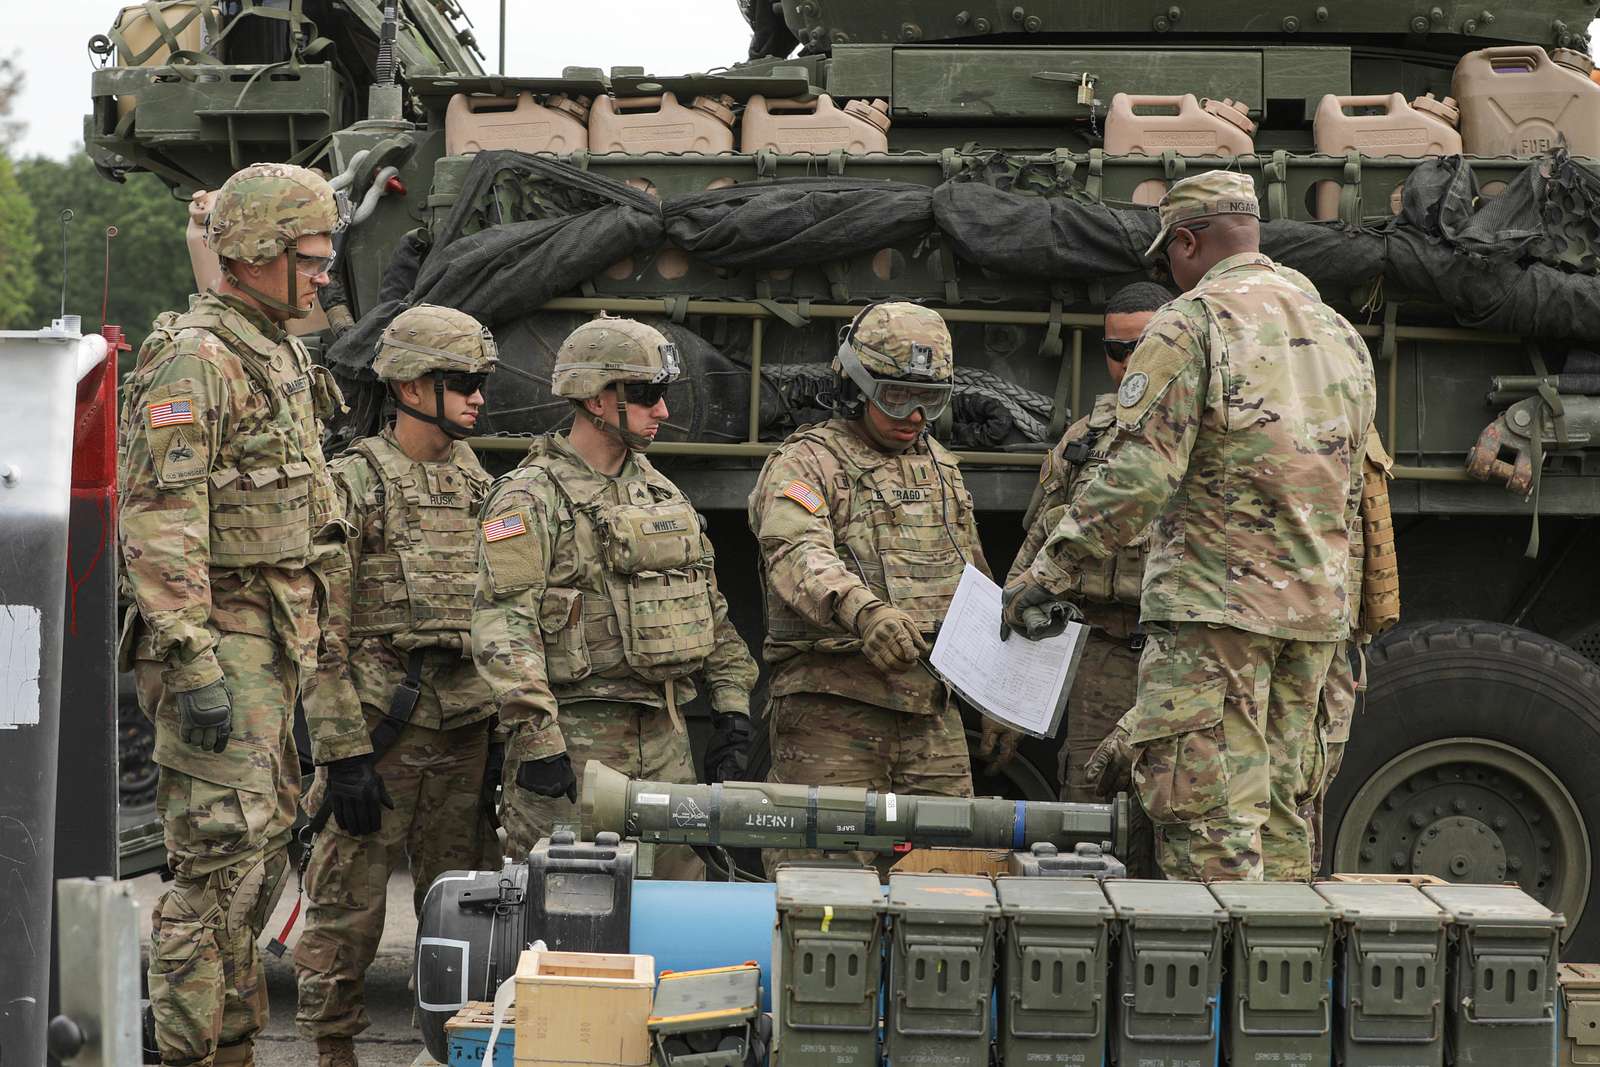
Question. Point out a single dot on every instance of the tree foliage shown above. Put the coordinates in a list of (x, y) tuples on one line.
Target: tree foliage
[(149, 264), (17, 249), (11, 81)]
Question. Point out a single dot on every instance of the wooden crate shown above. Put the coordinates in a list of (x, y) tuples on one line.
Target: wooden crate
[(583, 1008), (467, 1035)]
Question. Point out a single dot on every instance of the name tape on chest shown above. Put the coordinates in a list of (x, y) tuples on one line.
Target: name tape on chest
[(666, 526), (503, 527), (170, 413), (804, 495)]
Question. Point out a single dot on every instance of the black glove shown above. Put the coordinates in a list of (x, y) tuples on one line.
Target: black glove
[(549, 777), (493, 768), (728, 753), (205, 716), (355, 789)]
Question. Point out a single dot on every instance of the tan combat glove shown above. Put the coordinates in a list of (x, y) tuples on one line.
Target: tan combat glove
[(890, 640), (1109, 770), (998, 744)]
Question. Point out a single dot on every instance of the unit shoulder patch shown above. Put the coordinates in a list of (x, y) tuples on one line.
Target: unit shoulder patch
[(804, 495), (1132, 389)]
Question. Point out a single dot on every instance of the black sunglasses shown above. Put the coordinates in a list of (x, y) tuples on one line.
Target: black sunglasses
[(1119, 351), (645, 394), (463, 383), (1192, 227)]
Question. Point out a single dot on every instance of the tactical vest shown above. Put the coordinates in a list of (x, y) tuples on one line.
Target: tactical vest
[(646, 610), (418, 585), (899, 524), (270, 491), (1118, 579)]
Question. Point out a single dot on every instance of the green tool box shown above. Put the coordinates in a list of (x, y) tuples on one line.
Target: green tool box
[(1053, 971), (827, 958), (1580, 1014), (1169, 973), (941, 969), (1502, 975), (706, 1018), (1279, 987), (1390, 993)]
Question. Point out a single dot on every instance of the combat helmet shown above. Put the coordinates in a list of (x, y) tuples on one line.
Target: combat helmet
[(261, 212), (899, 356), (634, 356), (451, 345)]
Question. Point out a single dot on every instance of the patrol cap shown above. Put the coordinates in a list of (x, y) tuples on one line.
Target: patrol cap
[(1216, 192)]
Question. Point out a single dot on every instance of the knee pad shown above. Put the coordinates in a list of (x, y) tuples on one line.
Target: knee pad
[(256, 883)]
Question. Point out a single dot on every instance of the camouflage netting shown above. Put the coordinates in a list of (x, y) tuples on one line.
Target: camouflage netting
[(526, 229)]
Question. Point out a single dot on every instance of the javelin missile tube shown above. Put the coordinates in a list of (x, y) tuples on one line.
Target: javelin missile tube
[(835, 818)]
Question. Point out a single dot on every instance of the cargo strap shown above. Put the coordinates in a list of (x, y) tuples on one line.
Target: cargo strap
[(1550, 401), (1350, 190), (1277, 175)]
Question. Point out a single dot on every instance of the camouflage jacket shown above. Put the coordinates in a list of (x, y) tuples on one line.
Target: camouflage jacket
[(844, 526), (402, 584), (1109, 593), (596, 588), (1240, 429), (224, 492)]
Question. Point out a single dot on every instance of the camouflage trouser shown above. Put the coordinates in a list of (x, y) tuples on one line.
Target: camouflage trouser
[(227, 818), (1335, 712), (635, 739), (433, 777), (1103, 690), (1228, 749), (820, 739)]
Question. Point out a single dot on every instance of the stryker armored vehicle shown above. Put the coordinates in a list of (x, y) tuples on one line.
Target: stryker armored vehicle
[(964, 164)]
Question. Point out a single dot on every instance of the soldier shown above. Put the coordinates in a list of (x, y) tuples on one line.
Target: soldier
[(1240, 429), (225, 496), (597, 599), (865, 526), (399, 717), (1107, 679)]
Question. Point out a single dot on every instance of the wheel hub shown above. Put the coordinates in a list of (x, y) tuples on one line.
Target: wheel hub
[(1460, 849)]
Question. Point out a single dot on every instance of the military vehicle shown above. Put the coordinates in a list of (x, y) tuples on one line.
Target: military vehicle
[(997, 203)]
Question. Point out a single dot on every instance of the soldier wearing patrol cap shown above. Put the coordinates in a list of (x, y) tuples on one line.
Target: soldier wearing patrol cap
[(597, 599), (226, 505), (399, 718), (865, 526), (1240, 430)]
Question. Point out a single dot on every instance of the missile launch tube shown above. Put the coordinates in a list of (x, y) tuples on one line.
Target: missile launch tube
[(835, 818)]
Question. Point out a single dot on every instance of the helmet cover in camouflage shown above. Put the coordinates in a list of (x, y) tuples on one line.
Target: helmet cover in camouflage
[(266, 207), (607, 350), (1216, 192), (903, 341), (428, 338)]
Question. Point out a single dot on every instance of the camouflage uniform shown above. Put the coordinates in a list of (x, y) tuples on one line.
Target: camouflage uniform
[(225, 496), (1240, 426), (845, 528), (1108, 674), (403, 594), (596, 600)]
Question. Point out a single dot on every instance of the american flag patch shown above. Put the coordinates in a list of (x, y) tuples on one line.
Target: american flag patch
[(170, 413), (804, 495), (505, 526)]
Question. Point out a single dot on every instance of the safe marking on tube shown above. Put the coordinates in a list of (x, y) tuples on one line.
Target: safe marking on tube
[(21, 645)]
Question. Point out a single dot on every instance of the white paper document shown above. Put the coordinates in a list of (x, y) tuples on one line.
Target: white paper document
[(1020, 683)]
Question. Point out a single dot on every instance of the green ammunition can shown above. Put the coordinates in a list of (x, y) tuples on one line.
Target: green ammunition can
[(1053, 970), (1279, 988), (1390, 980), (1580, 1014), (941, 969), (1502, 975), (827, 958), (1169, 973)]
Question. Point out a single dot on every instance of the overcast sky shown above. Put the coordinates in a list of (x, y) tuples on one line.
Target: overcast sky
[(542, 37)]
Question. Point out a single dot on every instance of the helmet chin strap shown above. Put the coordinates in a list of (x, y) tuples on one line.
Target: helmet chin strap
[(454, 430), (636, 442), (291, 308)]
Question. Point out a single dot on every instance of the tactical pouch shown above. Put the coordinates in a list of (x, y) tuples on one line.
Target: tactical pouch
[(667, 627), (1380, 571), (652, 537), (381, 605), (921, 583), (566, 650), (326, 396), (261, 517), (1181, 767)]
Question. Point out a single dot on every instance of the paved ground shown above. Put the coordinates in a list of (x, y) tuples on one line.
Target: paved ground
[(391, 1041)]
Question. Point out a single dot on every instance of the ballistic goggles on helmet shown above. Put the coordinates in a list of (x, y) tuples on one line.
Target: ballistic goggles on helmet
[(894, 397)]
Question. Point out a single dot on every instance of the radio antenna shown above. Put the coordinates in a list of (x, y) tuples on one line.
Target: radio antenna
[(105, 286)]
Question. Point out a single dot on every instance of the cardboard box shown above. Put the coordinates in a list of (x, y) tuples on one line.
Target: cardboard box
[(583, 1008)]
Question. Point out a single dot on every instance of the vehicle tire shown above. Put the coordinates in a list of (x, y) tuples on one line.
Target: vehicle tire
[(1474, 759)]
